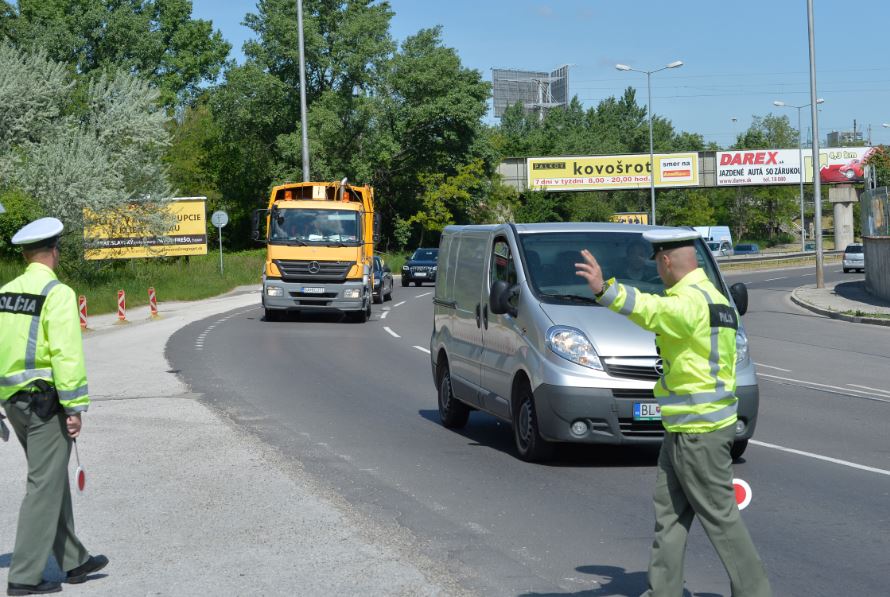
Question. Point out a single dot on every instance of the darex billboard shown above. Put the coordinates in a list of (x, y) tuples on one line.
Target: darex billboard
[(782, 166), (598, 173)]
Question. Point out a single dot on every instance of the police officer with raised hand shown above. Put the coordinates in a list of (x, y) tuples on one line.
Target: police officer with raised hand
[(695, 333), (43, 390)]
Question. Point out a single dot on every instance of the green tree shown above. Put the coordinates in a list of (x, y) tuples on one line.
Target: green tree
[(157, 39), (684, 208), (880, 160)]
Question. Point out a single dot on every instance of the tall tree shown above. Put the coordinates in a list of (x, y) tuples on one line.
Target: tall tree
[(157, 39)]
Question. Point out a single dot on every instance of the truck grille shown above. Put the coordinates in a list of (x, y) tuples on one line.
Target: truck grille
[(633, 368), (313, 271)]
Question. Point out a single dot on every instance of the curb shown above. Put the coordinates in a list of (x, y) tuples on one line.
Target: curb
[(835, 314)]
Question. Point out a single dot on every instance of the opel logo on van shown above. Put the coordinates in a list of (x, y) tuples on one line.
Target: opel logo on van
[(314, 268), (659, 367)]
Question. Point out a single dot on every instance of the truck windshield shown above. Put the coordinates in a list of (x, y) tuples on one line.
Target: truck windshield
[(550, 260), (315, 227)]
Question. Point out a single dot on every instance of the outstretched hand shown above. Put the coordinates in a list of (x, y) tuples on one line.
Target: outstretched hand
[(590, 270)]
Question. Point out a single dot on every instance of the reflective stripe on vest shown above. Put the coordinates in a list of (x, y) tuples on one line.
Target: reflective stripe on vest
[(26, 375), (31, 351)]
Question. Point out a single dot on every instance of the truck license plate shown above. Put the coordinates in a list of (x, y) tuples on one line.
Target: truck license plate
[(647, 411), (312, 290)]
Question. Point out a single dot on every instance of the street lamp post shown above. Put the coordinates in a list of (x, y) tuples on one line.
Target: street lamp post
[(649, 73), (781, 104)]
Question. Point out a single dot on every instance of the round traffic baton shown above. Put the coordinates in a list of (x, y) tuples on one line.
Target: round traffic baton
[(153, 303), (82, 306), (742, 493), (80, 475), (121, 305)]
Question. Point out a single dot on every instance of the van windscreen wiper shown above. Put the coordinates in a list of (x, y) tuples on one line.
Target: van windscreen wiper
[(577, 298)]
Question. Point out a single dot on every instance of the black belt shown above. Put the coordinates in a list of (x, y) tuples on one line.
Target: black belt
[(42, 397)]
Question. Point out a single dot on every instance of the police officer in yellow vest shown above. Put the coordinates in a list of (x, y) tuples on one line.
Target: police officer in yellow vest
[(43, 390), (695, 333)]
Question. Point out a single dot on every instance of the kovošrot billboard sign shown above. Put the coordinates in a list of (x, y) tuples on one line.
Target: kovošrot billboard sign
[(782, 166), (598, 173), (120, 237)]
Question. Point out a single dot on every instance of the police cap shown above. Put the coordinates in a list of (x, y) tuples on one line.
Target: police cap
[(39, 234), (663, 239)]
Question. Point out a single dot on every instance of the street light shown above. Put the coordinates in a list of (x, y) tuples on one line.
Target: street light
[(781, 104), (649, 73)]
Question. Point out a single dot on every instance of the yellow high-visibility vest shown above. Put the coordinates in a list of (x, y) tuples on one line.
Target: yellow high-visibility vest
[(40, 338), (695, 332)]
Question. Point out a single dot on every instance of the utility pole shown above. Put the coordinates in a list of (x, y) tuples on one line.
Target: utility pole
[(814, 115), (304, 119)]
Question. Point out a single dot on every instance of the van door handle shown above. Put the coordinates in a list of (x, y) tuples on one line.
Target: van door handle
[(485, 316), (478, 315)]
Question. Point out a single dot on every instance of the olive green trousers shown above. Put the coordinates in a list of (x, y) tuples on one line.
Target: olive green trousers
[(695, 478), (46, 519)]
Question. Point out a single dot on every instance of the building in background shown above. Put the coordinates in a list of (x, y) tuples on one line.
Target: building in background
[(537, 91)]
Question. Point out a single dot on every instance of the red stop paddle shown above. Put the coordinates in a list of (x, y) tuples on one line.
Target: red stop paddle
[(80, 475)]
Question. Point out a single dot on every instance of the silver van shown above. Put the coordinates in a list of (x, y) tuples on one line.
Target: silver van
[(517, 334)]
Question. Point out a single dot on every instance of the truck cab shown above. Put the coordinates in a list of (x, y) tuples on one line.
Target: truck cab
[(320, 245)]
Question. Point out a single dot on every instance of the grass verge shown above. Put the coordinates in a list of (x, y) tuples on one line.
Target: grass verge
[(173, 279)]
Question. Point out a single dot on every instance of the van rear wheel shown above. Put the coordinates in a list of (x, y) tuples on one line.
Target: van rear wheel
[(738, 448), (526, 432), (453, 413)]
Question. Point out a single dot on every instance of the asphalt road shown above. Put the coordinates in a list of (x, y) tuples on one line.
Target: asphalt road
[(356, 405)]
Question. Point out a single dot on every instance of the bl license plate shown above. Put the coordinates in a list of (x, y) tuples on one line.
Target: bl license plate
[(647, 411), (312, 290), (420, 275)]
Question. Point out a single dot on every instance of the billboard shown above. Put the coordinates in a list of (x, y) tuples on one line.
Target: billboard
[(782, 166), (123, 238), (612, 172), (630, 217)]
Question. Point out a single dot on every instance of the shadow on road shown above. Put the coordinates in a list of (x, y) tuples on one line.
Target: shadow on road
[(613, 580), (486, 431), (855, 291)]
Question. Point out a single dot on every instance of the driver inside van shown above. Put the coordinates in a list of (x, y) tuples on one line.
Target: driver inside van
[(638, 266)]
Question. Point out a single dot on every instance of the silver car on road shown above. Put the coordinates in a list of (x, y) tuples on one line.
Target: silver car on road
[(517, 334)]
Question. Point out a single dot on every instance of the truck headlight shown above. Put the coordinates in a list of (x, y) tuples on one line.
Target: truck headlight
[(274, 291), (352, 293), (572, 345), (741, 345)]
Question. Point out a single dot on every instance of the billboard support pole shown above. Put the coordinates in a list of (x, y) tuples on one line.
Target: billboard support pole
[(814, 115)]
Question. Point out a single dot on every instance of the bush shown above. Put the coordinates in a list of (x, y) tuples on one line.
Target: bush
[(20, 209)]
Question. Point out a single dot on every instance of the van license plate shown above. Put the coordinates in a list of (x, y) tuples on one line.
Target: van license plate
[(647, 411), (312, 290)]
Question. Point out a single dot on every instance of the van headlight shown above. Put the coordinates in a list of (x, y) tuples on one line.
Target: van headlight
[(572, 345), (741, 345)]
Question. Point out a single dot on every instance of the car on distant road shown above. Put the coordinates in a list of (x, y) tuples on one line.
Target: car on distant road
[(747, 249), (720, 248), (421, 267), (854, 257), (382, 282)]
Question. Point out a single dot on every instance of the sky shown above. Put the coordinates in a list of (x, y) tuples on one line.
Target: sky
[(738, 56)]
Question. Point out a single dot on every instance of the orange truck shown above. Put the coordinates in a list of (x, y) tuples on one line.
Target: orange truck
[(320, 245)]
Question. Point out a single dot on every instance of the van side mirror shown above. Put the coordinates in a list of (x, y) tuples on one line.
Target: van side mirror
[(499, 298), (739, 294)]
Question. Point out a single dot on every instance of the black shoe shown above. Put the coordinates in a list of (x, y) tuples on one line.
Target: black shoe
[(79, 574), (46, 586)]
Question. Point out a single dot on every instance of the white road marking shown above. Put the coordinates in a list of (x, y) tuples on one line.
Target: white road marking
[(861, 467), (424, 294), (868, 388), (838, 389), (384, 314), (807, 275), (772, 367), (399, 304), (422, 349), (774, 279), (391, 333)]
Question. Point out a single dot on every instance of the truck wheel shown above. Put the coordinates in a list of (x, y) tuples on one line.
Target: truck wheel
[(357, 316), (526, 433), (271, 315), (453, 413), (738, 448)]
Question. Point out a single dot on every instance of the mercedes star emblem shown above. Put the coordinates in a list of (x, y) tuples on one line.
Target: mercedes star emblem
[(314, 268)]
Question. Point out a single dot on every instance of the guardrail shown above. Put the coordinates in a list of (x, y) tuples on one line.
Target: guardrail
[(774, 258)]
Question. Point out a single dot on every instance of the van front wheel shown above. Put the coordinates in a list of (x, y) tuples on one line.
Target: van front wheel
[(453, 413), (526, 432)]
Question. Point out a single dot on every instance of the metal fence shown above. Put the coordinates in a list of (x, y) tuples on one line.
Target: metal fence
[(875, 212)]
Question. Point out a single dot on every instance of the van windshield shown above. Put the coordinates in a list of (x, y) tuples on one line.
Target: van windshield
[(550, 260)]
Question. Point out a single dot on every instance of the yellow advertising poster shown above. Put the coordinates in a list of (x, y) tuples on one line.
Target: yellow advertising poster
[(601, 173), (630, 217), (123, 238)]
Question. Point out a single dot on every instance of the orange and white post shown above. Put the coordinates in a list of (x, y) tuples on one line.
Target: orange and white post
[(82, 307), (153, 303), (121, 307)]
